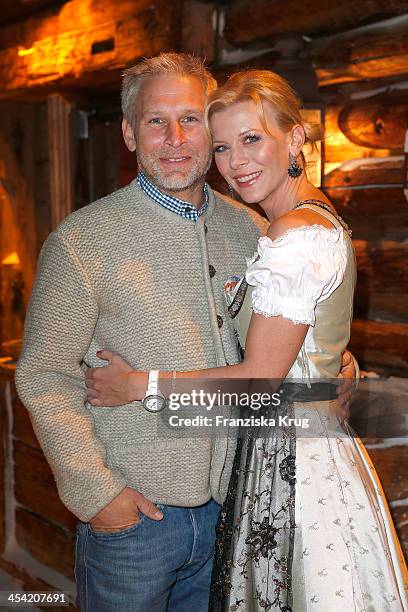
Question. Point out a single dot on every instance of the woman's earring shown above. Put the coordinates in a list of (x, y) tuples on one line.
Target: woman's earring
[(230, 190), (295, 169)]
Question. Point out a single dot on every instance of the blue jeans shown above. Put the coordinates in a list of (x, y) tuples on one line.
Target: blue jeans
[(153, 566)]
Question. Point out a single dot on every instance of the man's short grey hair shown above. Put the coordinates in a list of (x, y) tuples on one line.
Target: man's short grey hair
[(165, 63)]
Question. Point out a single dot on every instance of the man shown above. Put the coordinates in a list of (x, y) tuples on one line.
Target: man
[(139, 273)]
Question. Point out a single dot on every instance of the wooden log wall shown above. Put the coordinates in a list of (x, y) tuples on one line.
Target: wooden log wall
[(366, 122), (361, 67), (31, 513), (360, 57), (84, 42), (24, 207), (77, 49)]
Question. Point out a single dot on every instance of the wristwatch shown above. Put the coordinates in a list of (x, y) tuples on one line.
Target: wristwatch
[(153, 401)]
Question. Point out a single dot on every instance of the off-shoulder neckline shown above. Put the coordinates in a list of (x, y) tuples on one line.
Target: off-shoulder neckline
[(316, 226)]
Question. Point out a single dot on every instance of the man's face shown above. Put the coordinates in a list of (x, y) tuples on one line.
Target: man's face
[(171, 142)]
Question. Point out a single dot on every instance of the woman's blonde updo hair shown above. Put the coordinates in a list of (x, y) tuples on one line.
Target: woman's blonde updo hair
[(259, 86)]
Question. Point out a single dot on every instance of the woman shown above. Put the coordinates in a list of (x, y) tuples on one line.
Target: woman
[(305, 525)]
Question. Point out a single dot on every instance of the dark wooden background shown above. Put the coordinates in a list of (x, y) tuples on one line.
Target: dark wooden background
[(61, 147)]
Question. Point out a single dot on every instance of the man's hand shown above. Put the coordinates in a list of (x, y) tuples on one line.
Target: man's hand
[(123, 512), (345, 390)]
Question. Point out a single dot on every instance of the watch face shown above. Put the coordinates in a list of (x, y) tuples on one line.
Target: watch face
[(154, 403)]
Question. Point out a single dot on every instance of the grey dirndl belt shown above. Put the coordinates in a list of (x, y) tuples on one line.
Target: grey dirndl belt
[(317, 392)]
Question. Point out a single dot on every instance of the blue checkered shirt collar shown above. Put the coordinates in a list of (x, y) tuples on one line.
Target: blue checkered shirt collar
[(180, 207)]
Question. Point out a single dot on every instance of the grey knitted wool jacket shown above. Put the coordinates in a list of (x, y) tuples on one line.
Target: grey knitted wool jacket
[(125, 274)]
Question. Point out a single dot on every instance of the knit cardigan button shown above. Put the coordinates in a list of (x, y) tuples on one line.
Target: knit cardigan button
[(211, 270), (220, 321)]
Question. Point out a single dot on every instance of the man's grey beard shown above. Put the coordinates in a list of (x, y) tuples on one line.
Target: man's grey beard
[(176, 182)]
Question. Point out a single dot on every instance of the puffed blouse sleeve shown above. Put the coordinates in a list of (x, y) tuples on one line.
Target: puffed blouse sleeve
[(297, 271)]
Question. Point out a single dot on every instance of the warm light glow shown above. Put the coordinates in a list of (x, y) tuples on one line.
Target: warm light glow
[(11, 260), (23, 52)]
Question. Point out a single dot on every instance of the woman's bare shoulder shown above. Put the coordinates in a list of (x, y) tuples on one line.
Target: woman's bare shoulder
[(295, 219)]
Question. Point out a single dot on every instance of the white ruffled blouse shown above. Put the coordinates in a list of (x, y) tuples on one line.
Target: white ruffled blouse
[(294, 273)]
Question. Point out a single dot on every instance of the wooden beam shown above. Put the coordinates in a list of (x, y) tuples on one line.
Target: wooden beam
[(13, 10), (199, 28), (60, 158), (41, 189), (103, 147), (342, 93), (382, 280), (337, 147), (77, 44), (250, 20), (372, 52), (22, 428), (17, 212), (392, 465), (5, 441), (378, 213), (391, 307), (379, 227), (381, 67), (34, 486), (51, 545), (378, 124), (371, 202), (380, 345), (382, 266), (370, 171)]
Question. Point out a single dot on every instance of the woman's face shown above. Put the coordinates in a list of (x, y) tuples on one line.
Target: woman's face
[(252, 161)]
